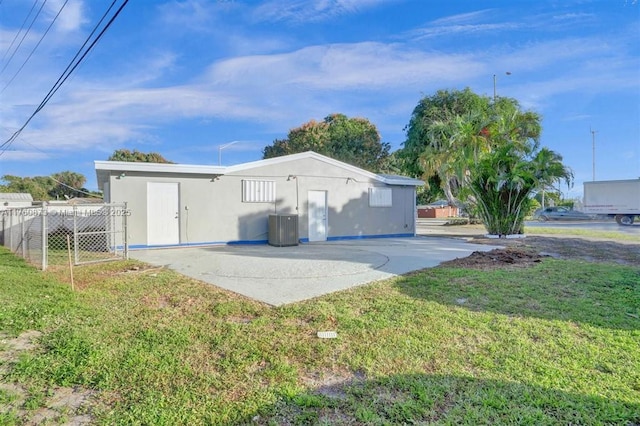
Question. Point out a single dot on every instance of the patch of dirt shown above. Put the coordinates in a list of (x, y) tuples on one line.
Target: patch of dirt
[(61, 405), (332, 383), (497, 258), (532, 249)]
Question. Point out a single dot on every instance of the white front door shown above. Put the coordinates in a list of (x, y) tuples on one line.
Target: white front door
[(317, 215), (163, 219)]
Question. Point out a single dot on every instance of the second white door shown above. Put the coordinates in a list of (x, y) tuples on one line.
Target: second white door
[(317, 215), (163, 220)]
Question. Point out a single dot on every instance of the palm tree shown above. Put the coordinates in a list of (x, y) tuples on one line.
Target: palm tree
[(503, 181)]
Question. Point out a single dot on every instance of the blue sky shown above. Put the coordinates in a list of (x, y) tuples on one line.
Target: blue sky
[(184, 77)]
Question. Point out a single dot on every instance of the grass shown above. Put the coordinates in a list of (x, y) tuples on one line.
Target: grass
[(594, 233), (552, 344)]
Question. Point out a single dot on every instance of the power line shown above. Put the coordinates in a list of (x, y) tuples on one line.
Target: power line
[(20, 30), (23, 37), (75, 189), (67, 72), (35, 47)]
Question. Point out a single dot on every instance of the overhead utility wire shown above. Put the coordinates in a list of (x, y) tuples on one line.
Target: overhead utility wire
[(20, 30), (23, 37), (65, 75), (35, 47), (75, 189), (72, 66)]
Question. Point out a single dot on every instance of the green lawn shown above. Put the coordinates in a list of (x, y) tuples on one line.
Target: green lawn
[(554, 344), (608, 235)]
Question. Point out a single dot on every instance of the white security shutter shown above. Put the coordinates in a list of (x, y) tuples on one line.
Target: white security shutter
[(379, 197), (258, 191)]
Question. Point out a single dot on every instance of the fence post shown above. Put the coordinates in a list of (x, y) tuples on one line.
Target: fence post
[(22, 238), (45, 237), (10, 230), (75, 235), (125, 239)]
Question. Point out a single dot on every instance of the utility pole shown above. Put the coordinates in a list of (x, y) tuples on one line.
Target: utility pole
[(593, 149)]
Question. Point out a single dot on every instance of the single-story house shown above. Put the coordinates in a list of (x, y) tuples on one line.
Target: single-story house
[(182, 204)]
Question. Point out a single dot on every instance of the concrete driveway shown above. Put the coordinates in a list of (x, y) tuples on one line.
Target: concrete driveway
[(281, 275)]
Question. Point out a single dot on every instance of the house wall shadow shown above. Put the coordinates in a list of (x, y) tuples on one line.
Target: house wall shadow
[(542, 291), (446, 399)]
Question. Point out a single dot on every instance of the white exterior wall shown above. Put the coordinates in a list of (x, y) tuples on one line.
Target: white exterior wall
[(211, 210)]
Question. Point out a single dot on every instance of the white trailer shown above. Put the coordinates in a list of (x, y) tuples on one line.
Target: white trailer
[(614, 198)]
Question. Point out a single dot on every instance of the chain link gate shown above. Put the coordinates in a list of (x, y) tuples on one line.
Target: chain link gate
[(96, 233)]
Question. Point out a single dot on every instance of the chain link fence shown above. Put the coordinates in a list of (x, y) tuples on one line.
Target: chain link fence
[(42, 235)]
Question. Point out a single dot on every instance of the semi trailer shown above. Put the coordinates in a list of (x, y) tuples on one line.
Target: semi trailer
[(614, 198)]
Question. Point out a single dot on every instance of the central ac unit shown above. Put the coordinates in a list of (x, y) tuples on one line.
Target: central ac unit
[(283, 230)]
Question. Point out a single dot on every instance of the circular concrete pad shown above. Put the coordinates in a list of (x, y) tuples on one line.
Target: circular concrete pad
[(281, 275), (297, 262)]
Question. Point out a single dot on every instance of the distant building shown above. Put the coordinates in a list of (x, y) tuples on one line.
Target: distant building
[(10, 200), (439, 209)]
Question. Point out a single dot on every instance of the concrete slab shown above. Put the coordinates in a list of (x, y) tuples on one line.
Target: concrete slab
[(281, 275)]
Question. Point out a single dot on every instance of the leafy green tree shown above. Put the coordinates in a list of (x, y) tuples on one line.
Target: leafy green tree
[(136, 156), (432, 147), (485, 151), (452, 130), (38, 186), (353, 140), (60, 185)]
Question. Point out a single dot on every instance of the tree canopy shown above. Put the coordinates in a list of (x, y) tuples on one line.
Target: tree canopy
[(60, 185), (67, 185), (136, 156), (451, 130), (482, 150), (353, 140)]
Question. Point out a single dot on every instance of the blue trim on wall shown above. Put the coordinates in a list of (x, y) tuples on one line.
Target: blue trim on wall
[(362, 237), (260, 242), (205, 243), (245, 242)]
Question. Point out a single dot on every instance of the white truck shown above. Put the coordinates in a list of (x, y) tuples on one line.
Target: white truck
[(614, 198)]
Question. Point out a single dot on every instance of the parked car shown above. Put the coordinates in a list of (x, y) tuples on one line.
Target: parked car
[(439, 203), (560, 213)]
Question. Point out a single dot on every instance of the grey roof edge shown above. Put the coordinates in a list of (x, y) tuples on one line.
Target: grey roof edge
[(124, 166), (16, 196), (388, 179), (401, 180), (128, 166)]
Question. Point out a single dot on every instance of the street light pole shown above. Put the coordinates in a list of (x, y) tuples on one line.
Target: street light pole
[(495, 92), (593, 150), (221, 147), (494, 88)]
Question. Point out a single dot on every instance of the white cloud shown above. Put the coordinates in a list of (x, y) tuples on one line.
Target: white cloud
[(72, 16), (283, 90), (299, 11), (24, 155), (367, 66), (462, 18), (195, 15)]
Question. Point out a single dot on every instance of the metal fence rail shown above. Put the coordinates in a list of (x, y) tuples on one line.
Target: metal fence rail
[(95, 232)]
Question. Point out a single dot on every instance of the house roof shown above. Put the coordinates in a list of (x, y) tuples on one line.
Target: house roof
[(103, 168), (15, 196)]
